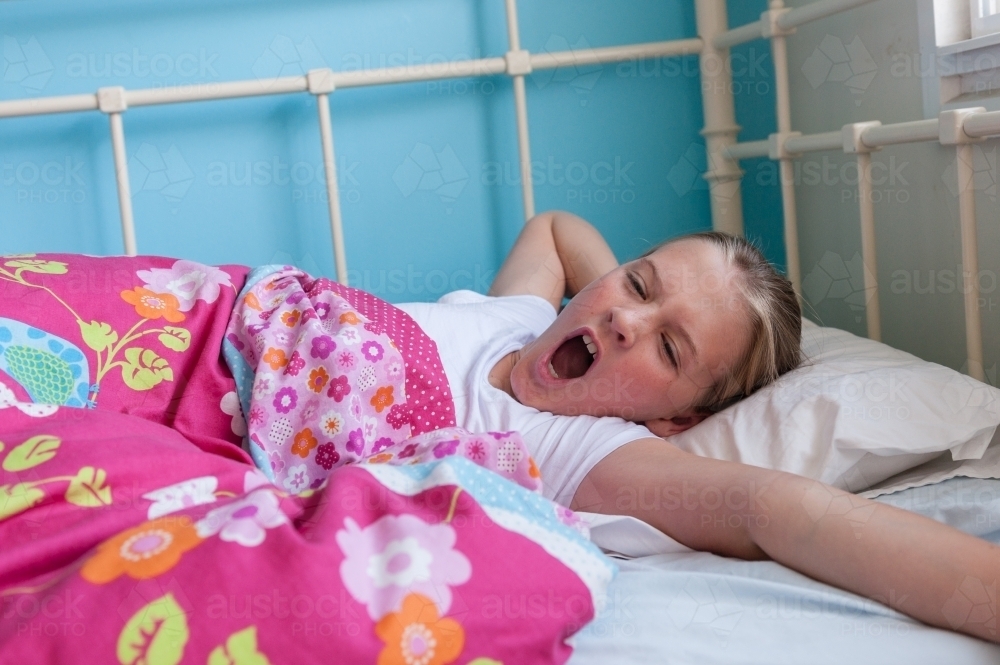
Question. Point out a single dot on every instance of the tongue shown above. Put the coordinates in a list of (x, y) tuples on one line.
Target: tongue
[(572, 359)]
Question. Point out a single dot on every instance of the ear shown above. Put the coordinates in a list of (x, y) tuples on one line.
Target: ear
[(664, 427)]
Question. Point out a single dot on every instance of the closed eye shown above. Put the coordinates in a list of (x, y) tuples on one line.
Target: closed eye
[(670, 352), (636, 286)]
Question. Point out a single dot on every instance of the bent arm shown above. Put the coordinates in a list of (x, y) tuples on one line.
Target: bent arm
[(556, 255), (904, 560)]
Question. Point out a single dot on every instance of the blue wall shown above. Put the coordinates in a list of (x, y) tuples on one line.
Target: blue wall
[(428, 171)]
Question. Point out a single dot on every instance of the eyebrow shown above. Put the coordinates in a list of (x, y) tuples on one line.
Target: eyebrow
[(681, 331)]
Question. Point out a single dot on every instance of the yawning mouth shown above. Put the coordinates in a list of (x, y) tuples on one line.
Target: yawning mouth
[(573, 358)]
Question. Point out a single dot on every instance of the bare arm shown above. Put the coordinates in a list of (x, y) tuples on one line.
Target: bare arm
[(901, 559), (556, 255)]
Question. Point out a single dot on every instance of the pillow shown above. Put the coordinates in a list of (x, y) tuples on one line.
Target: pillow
[(855, 413), (138, 335)]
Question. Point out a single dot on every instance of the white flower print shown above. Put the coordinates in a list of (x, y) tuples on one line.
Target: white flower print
[(356, 408), (331, 423), (187, 493)]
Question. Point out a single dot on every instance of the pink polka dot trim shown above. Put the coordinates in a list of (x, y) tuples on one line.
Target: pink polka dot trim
[(428, 396)]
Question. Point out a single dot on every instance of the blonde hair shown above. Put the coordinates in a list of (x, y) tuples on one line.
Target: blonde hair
[(775, 320)]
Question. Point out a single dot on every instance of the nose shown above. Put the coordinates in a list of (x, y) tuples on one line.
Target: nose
[(625, 324)]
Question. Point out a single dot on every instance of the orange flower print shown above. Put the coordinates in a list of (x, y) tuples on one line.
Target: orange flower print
[(416, 636), (304, 442), (383, 398), (350, 317), (317, 379), (151, 305), (142, 552), (533, 468), (290, 318), (381, 458), (275, 358), (251, 301)]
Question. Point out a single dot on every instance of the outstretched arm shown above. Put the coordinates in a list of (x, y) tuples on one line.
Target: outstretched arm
[(556, 255), (911, 563)]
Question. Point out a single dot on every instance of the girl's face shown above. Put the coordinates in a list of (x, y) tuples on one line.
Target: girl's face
[(644, 343)]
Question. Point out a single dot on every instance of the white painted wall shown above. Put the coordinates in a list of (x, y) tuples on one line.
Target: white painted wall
[(916, 204)]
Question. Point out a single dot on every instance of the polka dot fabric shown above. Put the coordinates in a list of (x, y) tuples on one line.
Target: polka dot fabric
[(429, 399)]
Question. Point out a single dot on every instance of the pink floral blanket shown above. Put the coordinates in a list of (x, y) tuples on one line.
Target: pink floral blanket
[(127, 537)]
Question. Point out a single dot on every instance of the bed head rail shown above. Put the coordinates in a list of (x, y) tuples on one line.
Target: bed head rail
[(953, 128)]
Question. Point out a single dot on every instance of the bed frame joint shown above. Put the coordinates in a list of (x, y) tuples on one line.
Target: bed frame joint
[(321, 81), (518, 63), (769, 26), (776, 145), (951, 126), (112, 99), (851, 137)]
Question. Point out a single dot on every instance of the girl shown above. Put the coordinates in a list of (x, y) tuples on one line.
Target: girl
[(647, 350)]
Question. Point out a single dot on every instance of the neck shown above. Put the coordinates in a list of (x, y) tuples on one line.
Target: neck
[(500, 374)]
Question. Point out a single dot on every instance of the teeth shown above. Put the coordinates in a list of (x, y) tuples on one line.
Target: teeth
[(590, 345), (552, 370)]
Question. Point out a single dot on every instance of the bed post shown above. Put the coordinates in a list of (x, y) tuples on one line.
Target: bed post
[(720, 130)]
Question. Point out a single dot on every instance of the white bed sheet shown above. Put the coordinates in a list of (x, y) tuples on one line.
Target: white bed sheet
[(694, 607)]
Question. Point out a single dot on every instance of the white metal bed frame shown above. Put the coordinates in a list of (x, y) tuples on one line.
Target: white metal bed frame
[(959, 128)]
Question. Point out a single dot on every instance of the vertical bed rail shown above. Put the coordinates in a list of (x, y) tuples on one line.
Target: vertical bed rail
[(321, 84), (111, 100), (851, 137), (951, 129), (518, 65), (724, 174)]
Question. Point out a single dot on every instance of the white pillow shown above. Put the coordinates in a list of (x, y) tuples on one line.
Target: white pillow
[(855, 413)]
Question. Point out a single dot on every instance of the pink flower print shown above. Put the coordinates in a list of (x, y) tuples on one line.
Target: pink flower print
[(298, 479), (349, 336), (263, 386), (475, 450), (572, 520), (235, 341), (257, 328), (370, 426), (356, 442), (445, 448), (322, 311), (398, 416), (393, 369), (310, 409), (285, 400), (277, 464), (408, 451), (346, 360), (372, 351), (187, 281), (381, 445), (339, 388), (397, 555), (308, 313), (327, 456), (322, 347), (509, 455), (295, 298), (282, 337), (356, 408), (257, 416), (295, 364), (244, 521)]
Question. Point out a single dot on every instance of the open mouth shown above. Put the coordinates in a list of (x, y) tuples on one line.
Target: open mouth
[(573, 358)]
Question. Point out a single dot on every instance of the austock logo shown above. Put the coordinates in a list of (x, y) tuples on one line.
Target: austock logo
[(835, 62)]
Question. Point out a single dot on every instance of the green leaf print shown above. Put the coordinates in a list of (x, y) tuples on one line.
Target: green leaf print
[(87, 488), (97, 335), (143, 369), (17, 499), (155, 635), (239, 649), (31, 453), (176, 339)]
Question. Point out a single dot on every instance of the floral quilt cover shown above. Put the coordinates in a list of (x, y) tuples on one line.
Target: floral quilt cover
[(134, 528)]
